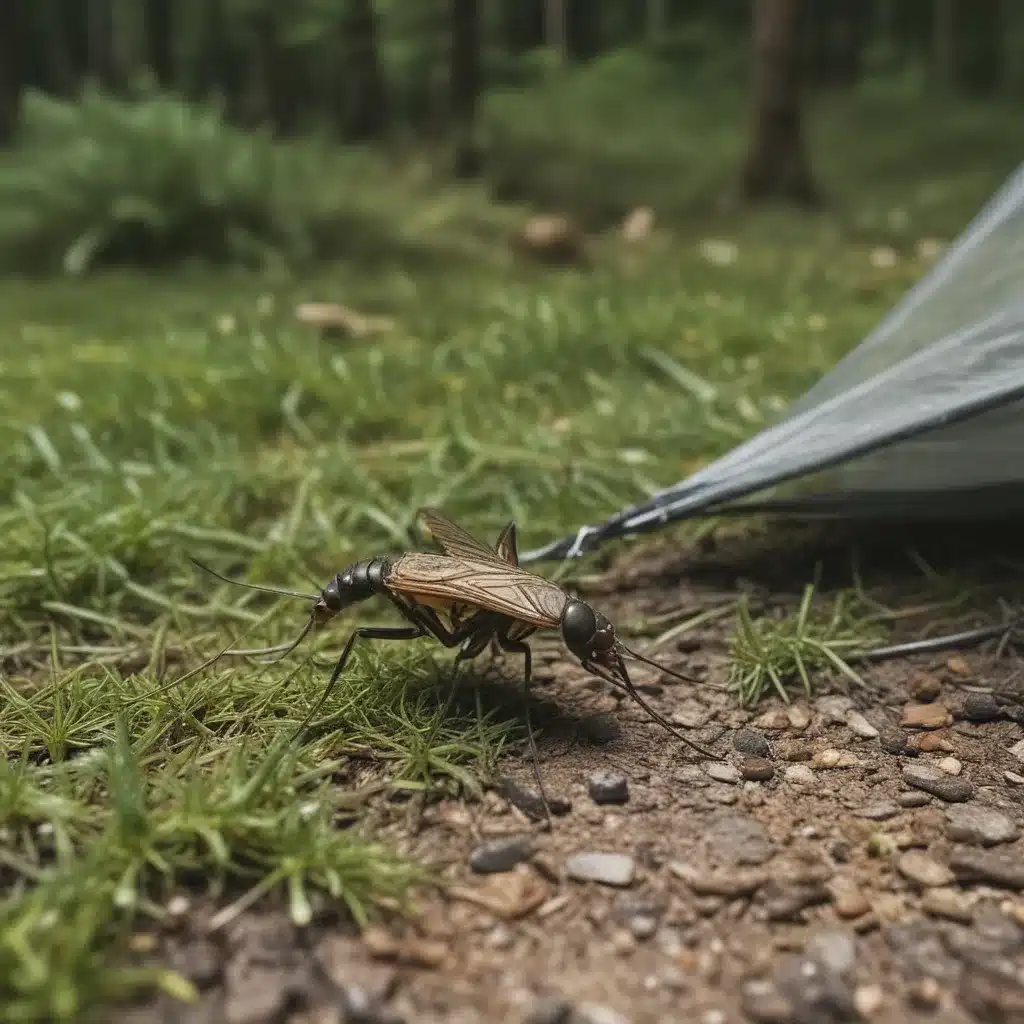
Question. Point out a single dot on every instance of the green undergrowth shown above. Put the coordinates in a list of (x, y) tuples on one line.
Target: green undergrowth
[(144, 420), (772, 656)]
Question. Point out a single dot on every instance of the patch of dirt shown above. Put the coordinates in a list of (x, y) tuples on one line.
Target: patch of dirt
[(854, 857)]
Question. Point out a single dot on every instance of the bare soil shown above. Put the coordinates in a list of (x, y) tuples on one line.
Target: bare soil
[(836, 889)]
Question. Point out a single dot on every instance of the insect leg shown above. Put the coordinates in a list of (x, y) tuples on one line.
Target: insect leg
[(519, 647), (367, 633), (623, 682)]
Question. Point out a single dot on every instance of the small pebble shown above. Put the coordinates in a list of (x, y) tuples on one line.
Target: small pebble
[(799, 775), (833, 949), (832, 758), (918, 867), (643, 926), (860, 726), (951, 788), (607, 868), (868, 999), (979, 826), (878, 812), (756, 769), (793, 751), (926, 716), (834, 708), (950, 765), (799, 717), (723, 772), (947, 903), (934, 742), (500, 855), (982, 866), (747, 741), (848, 898), (924, 688), (1018, 750), (913, 798), (958, 665), (608, 788), (892, 740), (1013, 778), (981, 707), (774, 720)]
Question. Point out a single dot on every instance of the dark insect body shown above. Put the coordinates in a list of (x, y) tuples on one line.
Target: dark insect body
[(487, 599)]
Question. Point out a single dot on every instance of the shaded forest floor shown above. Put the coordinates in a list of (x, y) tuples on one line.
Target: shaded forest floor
[(168, 840)]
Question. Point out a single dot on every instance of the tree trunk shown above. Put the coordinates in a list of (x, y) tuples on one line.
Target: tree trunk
[(657, 20), (366, 115), (10, 70), (465, 84), (944, 42), (777, 165), (556, 28)]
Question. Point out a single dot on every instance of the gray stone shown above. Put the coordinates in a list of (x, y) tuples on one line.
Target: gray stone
[(860, 726), (981, 866), (733, 839), (607, 868), (749, 741), (951, 788), (878, 812), (721, 772), (979, 826), (799, 775), (608, 788), (981, 707), (500, 855), (836, 950)]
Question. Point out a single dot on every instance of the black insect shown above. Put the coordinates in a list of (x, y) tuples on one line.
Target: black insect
[(487, 599)]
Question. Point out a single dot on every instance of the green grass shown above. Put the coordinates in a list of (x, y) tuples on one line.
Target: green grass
[(148, 419), (770, 655)]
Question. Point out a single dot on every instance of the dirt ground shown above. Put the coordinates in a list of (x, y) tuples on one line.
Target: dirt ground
[(855, 857)]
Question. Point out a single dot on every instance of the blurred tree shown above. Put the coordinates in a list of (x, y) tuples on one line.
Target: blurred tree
[(776, 164), (367, 112), (556, 25), (465, 84), (11, 36), (944, 42), (160, 27), (832, 38)]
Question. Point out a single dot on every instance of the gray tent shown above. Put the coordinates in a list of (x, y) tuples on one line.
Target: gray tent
[(925, 418)]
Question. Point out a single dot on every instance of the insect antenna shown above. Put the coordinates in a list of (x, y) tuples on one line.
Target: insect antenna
[(280, 591), (288, 648), (623, 682), (636, 656), (205, 665)]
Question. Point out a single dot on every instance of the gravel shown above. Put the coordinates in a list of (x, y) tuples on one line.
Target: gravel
[(616, 869), (500, 855), (608, 788), (979, 826), (951, 788)]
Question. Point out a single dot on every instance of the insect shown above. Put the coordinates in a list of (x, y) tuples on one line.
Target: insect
[(488, 600)]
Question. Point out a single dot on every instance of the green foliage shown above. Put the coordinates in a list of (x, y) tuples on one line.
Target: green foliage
[(769, 655), (103, 180)]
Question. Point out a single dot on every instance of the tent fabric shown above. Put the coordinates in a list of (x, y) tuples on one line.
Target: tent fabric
[(920, 419)]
